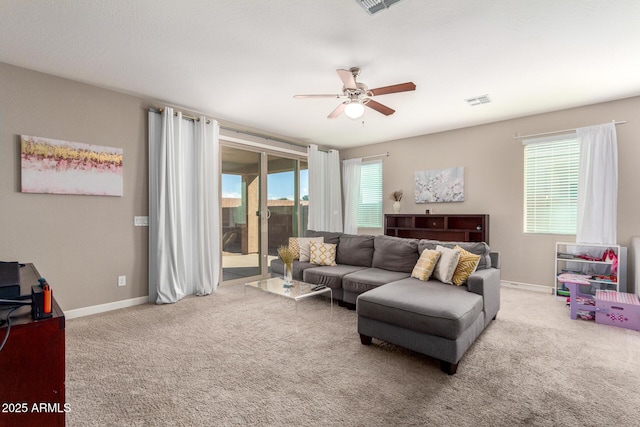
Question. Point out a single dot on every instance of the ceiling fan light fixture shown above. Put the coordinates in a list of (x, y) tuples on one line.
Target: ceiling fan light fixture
[(354, 110)]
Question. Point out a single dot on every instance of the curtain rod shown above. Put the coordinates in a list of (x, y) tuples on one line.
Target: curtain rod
[(516, 136), (195, 119), (371, 156), (244, 132), (376, 155)]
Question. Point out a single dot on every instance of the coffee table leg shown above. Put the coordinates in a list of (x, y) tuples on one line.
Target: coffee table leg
[(331, 298)]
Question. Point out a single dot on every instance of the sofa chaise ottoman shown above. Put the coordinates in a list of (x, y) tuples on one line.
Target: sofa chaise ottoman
[(432, 318)]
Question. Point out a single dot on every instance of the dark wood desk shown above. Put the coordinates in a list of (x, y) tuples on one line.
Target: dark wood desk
[(32, 363)]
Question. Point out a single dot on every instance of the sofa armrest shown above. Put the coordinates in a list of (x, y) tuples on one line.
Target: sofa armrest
[(487, 283), (495, 259)]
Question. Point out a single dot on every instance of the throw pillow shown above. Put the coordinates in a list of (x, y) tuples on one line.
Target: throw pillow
[(322, 253), (467, 264), (446, 264), (295, 247), (425, 265), (303, 242)]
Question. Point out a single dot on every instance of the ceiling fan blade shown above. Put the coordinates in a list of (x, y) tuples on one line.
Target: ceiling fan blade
[(338, 110), (319, 96), (380, 108), (347, 79), (402, 87)]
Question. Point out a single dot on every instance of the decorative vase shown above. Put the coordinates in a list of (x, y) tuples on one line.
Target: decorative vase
[(288, 272), (396, 207)]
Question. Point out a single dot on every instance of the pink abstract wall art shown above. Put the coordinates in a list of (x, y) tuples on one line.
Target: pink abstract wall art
[(65, 167)]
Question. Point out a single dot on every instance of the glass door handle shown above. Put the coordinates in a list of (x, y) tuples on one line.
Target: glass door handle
[(267, 213)]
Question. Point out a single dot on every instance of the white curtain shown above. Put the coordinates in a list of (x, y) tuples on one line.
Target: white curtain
[(325, 198), (351, 189), (334, 191), (598, 184), (184, 207)]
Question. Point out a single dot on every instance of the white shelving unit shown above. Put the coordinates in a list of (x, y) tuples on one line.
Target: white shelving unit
[(566, 262)]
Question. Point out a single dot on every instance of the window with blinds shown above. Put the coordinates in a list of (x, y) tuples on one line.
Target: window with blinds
[(370, 201), (551, 167)]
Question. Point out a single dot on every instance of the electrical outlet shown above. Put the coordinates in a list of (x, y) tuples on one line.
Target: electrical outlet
[(122, 280)]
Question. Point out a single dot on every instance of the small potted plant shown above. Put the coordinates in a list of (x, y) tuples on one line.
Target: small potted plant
[(396, 196)]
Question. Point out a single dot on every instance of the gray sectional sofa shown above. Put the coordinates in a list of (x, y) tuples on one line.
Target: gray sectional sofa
[(373, 275)]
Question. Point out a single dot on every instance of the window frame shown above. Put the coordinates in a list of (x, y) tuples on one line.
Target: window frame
[(370, 214), (550, 188)]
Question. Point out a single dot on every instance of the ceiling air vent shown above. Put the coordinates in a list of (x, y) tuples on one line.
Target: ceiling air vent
[(375, 6), (484, 99)]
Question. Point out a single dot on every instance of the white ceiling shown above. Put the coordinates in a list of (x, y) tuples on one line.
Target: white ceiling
[(243, 60)]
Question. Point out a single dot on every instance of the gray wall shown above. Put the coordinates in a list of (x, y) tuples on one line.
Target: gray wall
[(493, 163), (79, 243)]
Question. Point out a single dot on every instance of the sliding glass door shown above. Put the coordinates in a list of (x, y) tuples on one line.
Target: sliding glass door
[(240, 222), (264, 202)]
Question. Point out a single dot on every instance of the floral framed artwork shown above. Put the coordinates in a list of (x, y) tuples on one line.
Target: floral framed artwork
[(64, 167), (440, 185)]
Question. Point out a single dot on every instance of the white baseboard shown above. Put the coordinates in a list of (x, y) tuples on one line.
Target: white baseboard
[(527, 287), (102, 308)]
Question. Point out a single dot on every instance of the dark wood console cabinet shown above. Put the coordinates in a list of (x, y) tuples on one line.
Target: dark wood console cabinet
[(32, 363), (454, 228)]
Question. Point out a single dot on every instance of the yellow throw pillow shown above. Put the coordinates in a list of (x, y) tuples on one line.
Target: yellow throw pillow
[(467, 264), (295, 247), (322, 253), (425, 265)]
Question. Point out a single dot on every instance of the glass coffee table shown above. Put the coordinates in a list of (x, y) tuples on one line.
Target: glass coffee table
[(296, 290)]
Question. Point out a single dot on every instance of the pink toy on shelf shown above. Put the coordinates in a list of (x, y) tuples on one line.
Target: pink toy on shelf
[(579, 279)]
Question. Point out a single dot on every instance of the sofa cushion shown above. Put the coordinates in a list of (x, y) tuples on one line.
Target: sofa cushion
[(355, 250), (478, 248), (329, 236), (328, 276), (426, 264), (322, 253), (467, 264), (395, 253), (369, 278), (303, 242), (431, 307)]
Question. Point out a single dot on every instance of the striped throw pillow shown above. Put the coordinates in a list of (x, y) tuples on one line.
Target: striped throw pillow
[(467, 264), (425, 265)]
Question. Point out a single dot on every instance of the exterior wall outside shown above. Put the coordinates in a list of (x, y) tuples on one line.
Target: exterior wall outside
[(494, 164)]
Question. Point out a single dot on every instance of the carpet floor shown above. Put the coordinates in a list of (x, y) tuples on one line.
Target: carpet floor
[(236, 358)]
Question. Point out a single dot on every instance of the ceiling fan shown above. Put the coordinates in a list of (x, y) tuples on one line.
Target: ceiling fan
[(357, 95)]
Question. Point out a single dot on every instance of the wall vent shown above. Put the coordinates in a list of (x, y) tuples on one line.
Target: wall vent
[(484, 99), (375, 6)]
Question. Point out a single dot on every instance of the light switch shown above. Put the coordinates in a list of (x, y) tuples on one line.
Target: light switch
[(141, 221)]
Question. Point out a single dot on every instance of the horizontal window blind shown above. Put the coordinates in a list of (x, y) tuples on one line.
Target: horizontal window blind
[(551, 169), (370, 201)]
